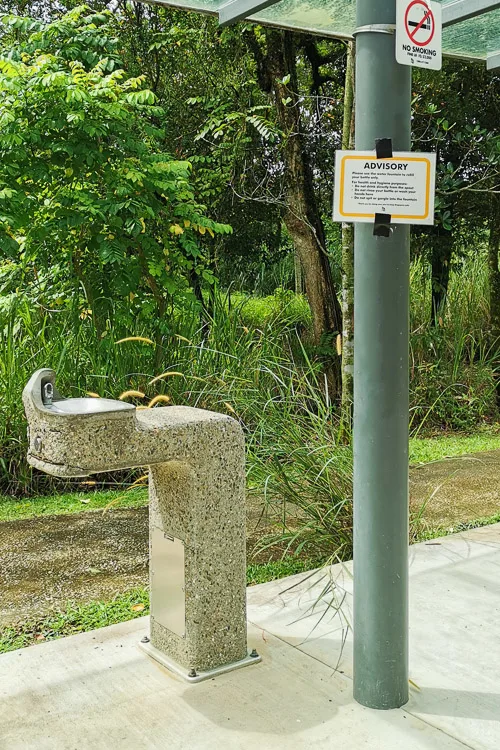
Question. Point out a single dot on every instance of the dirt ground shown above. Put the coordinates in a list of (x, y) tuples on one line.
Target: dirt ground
[(49, 560), (46, 561), (457, 490)]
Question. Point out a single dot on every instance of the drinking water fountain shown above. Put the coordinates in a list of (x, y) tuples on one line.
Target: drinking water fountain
[(196, 463)]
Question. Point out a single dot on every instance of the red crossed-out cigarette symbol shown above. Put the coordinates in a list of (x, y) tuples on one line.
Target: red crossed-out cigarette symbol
[(426, 22)]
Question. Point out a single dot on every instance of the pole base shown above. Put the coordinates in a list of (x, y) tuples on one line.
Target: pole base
[(378, 702), (193, 676)]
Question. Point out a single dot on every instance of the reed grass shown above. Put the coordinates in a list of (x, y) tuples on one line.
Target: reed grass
[(452, 364), (255, 365)]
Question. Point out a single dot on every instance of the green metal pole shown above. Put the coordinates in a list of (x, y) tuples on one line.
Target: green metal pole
[(381, 333)]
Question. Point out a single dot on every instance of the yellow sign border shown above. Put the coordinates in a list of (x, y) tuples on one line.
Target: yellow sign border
[(394, 158)]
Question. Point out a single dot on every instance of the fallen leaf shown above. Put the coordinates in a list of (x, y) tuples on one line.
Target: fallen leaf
[(85, 500), (137, 607), (40, 637)]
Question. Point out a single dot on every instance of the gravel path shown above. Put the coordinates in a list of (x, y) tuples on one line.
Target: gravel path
[(457, 490), (46, 561)]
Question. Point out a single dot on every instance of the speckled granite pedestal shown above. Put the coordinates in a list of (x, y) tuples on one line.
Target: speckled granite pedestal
[(197, 512)]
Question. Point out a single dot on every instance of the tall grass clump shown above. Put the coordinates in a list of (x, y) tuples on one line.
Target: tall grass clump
[(260, 375), (250, 358), (305, 479), (298, 462), (452, 361), (297, 459)]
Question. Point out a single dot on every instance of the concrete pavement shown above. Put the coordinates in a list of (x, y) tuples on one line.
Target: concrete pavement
[(97, 690)]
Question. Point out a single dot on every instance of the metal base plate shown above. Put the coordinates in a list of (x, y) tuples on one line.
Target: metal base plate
[(172, 666)]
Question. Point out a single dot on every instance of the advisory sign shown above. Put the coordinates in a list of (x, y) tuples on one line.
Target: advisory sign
[(402, 186), (419, 34)]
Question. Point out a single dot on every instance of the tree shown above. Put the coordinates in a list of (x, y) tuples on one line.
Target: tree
[(276, 57), (253, 139), (456, 115), (82, 181), (348, 252)]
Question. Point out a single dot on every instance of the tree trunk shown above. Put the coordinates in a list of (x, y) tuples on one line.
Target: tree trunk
[(206, 305), (348, 254), (297, 268), (494, 284), (440, 273), (278, 74)]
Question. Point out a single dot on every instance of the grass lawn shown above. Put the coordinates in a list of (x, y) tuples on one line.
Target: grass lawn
[(71, 502), (425, 450), (427, 535), (76, 618)]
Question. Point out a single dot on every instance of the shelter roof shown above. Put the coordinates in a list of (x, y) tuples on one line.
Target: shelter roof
[(474, 38)]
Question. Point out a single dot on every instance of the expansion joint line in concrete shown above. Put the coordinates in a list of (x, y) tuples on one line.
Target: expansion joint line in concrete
[(439, 729)]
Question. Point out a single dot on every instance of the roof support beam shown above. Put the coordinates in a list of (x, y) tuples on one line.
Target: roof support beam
[(463, 10), (493, 61), (238, 10)]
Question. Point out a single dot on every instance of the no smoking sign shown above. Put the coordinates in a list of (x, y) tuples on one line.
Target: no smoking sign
[(418, 34)]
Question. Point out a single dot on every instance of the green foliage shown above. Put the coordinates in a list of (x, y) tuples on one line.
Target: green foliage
[(82, 182), (215, 115), (452, 364), (283, 305), (456, 115)]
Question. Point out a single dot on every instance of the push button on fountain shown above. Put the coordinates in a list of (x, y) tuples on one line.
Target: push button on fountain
[(48, 394)]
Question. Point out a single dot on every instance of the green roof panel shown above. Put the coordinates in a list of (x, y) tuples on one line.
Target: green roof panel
[(473, 39)]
